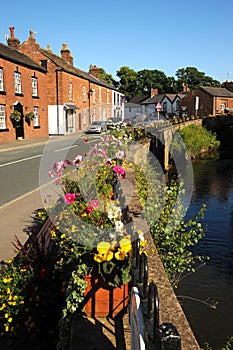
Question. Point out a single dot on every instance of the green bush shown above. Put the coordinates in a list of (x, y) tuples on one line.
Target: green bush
[(197, 140)]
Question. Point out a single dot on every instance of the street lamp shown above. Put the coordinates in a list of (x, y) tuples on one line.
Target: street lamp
[(90, 93)]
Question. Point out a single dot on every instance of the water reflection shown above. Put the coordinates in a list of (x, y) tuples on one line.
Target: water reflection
[(213, 185)]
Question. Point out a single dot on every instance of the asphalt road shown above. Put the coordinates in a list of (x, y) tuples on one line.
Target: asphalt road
[(25, 169), (23, 175)]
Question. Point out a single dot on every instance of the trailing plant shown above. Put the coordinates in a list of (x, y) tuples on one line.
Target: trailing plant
[(173, 236)]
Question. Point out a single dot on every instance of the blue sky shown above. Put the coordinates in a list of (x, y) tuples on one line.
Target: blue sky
[(149, 34)]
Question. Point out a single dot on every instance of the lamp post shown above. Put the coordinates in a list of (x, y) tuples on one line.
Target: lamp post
[(90, 93)]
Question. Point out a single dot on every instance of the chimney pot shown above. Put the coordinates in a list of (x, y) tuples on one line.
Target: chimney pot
[(12, 31)]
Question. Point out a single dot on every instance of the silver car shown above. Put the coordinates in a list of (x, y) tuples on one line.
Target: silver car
[(97, 126)]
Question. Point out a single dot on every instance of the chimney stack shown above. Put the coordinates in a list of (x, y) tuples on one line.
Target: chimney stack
[(12, 41), (94, 71), (65, 53)]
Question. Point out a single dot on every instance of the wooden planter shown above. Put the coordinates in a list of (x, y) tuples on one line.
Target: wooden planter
[(102, 300)]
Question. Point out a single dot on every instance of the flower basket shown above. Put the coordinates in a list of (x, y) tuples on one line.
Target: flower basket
[(15, 116), (29, 116), (103, 300)]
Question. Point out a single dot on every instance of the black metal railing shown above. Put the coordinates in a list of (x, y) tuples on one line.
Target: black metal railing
[(156, 336)]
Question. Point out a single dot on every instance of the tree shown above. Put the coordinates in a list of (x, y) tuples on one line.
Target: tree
[(128, 82), (192, 78), (107, 77)]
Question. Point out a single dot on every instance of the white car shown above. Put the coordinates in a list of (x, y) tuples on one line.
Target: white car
[(97, 126)]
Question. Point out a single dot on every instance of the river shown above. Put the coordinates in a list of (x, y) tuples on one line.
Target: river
[(212, 284)]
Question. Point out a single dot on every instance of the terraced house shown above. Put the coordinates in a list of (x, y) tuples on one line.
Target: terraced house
[(22, 94), (75, 98)]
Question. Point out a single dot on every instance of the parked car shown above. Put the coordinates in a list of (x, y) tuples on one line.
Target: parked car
[(112, 122), (97, 126)]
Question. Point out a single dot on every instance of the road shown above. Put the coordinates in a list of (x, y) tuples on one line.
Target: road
[(23, 171)]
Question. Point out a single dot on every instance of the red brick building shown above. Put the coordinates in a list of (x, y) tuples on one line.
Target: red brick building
[(22, 89), (204, 101), (75, 98)]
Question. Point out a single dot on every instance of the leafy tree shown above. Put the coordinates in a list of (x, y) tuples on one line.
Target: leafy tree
[(191, 77), (107, 77), (128, 82), (140, 83)]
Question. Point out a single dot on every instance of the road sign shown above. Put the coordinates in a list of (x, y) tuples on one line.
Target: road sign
[(158, 106)]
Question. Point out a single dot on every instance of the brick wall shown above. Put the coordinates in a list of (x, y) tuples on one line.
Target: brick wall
[(9, 99)]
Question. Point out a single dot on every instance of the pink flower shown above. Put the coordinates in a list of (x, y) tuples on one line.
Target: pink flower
[(119, 170), (89, 210), (77, 160), (69, 198), (94, 203)]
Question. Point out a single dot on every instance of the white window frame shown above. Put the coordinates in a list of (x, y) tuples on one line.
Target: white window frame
[(36, 116), (84, 93), (84, 117), (93, 96), (100, 94), (108, 96), (2, 117), (1, 80), (18, 83), (34, 87), (70, 91)]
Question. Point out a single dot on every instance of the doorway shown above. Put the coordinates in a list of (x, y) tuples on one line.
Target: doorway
[(19, 126)]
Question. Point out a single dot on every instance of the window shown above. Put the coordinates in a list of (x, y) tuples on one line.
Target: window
[(222, 106), (177, 105), (164, 106), (93, 97), (94, 114), (44, 64), (36, 116), (107, 96), (84, 117), (84, 93), (2, 117), (34, 86), (70, 92), (1, 80), (18, 87), (100, 96)]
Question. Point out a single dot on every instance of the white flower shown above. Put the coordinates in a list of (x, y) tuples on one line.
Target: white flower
[(119, 225)]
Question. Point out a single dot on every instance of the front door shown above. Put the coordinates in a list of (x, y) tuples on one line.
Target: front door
[(19, 127)]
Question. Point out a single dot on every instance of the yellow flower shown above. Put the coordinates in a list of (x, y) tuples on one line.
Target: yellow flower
[(103, 247), (125, 245), (120, 254), (10, 319), (103, 257), (6, 315), (2, 307), (6, 280)]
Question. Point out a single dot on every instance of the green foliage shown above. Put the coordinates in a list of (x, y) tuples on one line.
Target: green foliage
[(192, 78), (197, 140), (140, 83), (107, 77), (173, 236), (227, 346)]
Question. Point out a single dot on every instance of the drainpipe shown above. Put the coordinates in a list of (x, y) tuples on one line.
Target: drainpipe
[(57, 100)]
